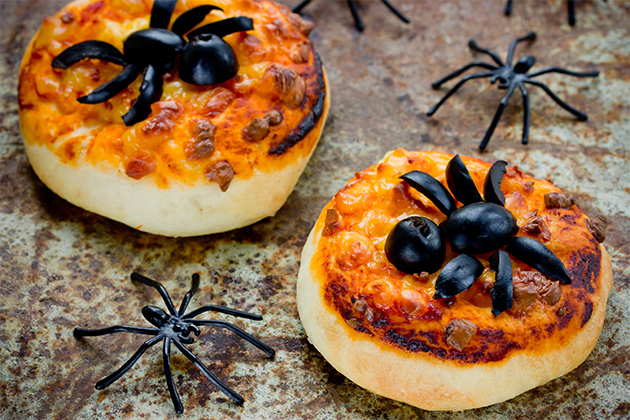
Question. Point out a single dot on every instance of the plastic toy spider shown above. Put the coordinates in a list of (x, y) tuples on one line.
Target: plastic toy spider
[(417, 244), (175, 327), (355, 13), (570, 7), (205, 60), (510, 77)]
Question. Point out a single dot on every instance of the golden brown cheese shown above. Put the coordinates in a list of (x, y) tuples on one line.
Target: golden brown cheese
[(398, 309), (194, 131)]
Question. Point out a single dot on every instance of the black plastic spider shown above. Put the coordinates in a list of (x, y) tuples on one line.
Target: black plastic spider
[(355, 13), (510, 77), (175, 328), (205, 60), (417, 244), (570, 7)]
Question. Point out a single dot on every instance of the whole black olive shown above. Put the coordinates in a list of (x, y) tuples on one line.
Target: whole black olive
[(416, 244), (207, 60), (480, 227), (154, 46)]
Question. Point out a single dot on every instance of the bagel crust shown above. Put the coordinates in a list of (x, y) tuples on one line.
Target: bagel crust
[(382, 328), (200, 163)]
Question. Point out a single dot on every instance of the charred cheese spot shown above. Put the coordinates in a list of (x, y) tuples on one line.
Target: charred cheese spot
[(399, 309)]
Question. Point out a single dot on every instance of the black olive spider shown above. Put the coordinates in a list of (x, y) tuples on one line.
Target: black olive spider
[(355, 13), (417, 244), (205, 60), (175, 327), (510, 77)]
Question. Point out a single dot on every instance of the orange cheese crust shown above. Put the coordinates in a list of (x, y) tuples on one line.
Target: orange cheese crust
[(383, 329), (160, 147), (404, 314)]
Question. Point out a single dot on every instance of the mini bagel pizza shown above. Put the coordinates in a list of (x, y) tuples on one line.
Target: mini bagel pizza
[(419, 288), (175, 118)]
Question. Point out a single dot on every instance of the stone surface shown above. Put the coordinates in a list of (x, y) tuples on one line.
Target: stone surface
[(62, 267)]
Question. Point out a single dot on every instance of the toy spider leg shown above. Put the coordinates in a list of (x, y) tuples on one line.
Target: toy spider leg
[(570, 8), (510, 77), (355, 13), (175, 328)]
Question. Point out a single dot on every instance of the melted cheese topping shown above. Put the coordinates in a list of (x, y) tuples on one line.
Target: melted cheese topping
[(397, 308), (95, 134)]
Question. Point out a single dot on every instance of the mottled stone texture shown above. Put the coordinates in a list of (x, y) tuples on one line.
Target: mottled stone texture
[(62, 267)]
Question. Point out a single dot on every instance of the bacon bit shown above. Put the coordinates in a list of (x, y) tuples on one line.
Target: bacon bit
[(412, 302), (535, 225), (332, 222), (458, 333), (423, 277), (202, 143), (513, 172), (289, 84), (222, 173), (163, 122), (301, 52), (273, 117), (68, 17), (433, 313), (140, 167), (561, 311), (360, 305), (353, 323), (216, 101), (597, 225), (305, 26), (256, 130), (94, 74), (528, 285), (528, 187), (559, 201)]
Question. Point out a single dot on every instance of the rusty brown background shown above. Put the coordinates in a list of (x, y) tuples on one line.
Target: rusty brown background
[(62, 267)]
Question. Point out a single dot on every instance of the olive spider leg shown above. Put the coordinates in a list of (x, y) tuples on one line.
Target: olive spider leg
[(191, 18), (161, 13), (456, 73), (525, 138), (166, 355), (473, 46), (497, 117), (508, 8), (395, 11), (564, 71), (105, 382), (299, 7), (156, 285), (454, 89), (216, 381), (150, 92), (529, 37), (355, 14), (580, 116), (236, 330), (223, 310), (108, 90), (193, 289), (88, 49)]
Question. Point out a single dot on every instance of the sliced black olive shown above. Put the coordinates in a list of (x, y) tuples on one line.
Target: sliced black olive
[(539, 257), (88, 49), (161, 13), (158, 47), (433, 189), (112, 88), (492, 184), (191, 18), (150, 92), (479, 227), (416, 244), (457, 276), (224, 27), (502, 288), (207, 60), (460, 182)]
